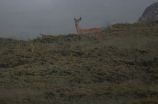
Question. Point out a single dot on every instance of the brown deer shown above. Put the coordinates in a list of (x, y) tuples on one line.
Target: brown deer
[(86, 31)]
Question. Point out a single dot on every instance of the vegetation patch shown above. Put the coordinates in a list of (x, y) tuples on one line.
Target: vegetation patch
[(119, 66)]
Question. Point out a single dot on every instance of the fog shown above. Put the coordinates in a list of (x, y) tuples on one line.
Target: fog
[(27, 19)]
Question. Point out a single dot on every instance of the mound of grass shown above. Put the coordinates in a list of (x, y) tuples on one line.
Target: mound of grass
[(119, 66)]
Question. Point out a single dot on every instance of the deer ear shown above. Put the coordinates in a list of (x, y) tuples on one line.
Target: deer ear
[(80, 19), (74, 19)]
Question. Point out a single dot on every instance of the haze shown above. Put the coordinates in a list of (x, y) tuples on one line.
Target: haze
[(27, 19)]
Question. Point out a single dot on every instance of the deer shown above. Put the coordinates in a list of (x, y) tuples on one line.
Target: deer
[(86, 31)]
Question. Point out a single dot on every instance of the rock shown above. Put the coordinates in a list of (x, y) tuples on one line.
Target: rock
[(150, 13)]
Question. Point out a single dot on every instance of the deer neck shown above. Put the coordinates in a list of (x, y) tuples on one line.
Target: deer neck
[(78, 29)]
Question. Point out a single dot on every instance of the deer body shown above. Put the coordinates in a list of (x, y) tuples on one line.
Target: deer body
[(86, 31)]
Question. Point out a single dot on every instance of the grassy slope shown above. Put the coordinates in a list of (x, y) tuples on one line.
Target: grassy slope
[(115, 67)]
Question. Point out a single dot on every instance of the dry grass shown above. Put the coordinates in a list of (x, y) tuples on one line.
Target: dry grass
[(119, 66)]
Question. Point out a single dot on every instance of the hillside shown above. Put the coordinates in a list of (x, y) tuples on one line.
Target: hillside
[(119, 66)]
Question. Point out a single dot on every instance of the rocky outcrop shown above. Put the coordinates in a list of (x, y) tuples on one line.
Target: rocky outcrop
[(150, 13)]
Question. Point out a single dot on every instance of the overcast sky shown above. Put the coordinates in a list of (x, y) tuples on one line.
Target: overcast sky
[(24, 19)]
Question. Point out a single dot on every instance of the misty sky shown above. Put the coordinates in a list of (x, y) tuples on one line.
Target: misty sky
[(25, 19)]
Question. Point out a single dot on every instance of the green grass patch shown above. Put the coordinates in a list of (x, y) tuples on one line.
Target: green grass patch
[(119, 66)]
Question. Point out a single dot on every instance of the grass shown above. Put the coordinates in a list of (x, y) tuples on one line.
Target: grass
[(117, 67)]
